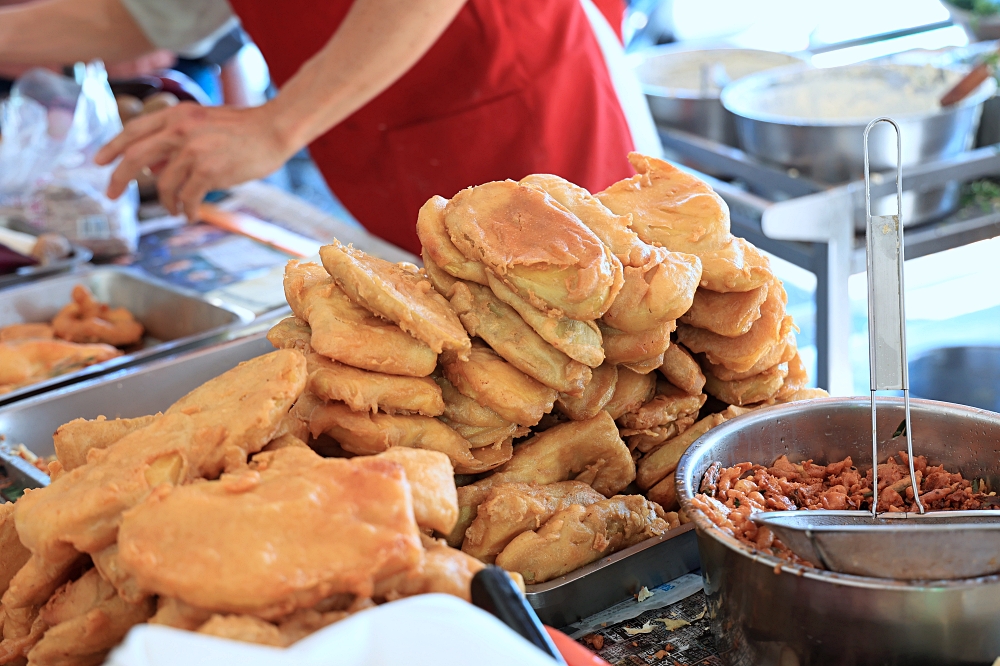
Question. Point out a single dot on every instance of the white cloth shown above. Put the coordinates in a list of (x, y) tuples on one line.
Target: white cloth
[(426, 630), (179, 25), (626, 83)]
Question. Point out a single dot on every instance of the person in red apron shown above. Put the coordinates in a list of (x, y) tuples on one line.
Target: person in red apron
[(397, 100)]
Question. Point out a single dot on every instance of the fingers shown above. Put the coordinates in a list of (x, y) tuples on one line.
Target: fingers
[(136, 130), (191, 196), (145, 153), (172, 179)]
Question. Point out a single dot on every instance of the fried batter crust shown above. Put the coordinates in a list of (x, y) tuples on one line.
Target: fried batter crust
[(614, 230), (486, 316), (596, 395), (580, 340), (580, 535), (397, 292), (266, 541), (444, 570), (365, 433), (499, 224), (669, 404), (757, 388), (730, 314), (512, 508), (437, 245), (27, 361), (346, 332), (739, 354), (74, 439), (432, 485), (628, 348), (632, 390), (363, 390), (658, 292), (590, 451), (491, 381), (681, 370)]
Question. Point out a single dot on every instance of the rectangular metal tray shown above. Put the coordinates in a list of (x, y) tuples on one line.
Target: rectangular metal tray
[(610, 580), (173, 318), (127, 393)]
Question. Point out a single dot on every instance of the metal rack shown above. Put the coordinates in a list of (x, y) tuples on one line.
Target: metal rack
[(812, 226)]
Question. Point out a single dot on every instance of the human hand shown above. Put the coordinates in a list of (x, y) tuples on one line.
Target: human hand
[(195, 149)]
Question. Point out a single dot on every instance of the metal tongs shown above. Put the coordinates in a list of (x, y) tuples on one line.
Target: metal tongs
[(905, 546)]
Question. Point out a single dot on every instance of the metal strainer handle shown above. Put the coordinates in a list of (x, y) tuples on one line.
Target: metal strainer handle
[(886, 311)]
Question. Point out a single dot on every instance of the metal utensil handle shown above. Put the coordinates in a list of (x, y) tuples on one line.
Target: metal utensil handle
[(886, 310)]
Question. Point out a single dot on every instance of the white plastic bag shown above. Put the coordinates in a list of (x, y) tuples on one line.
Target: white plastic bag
[(52, 127)]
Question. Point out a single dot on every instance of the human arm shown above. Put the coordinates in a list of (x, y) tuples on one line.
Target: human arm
[(66, 31), (197, 149)]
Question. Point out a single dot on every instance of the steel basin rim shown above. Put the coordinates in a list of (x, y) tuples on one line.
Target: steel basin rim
[(758, 83), (706, 528)]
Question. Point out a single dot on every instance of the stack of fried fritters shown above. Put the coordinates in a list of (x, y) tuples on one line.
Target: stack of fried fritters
[(214, 517)]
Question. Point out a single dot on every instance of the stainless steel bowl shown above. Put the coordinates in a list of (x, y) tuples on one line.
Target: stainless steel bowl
[(766, 611), (672, 78), (798, 119)]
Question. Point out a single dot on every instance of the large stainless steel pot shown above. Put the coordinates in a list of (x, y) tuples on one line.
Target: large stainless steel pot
[(766, 611), (803, 119), (683, 85)]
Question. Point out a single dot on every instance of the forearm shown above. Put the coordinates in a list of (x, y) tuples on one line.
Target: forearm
[(66, 31), (378, 42)]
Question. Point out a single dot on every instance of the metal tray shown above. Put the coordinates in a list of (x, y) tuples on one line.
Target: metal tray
[(602, 584), (80, 256), (127, 393), (173, 318)]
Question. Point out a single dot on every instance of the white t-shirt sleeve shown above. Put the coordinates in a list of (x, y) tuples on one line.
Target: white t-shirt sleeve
[(177, 24)]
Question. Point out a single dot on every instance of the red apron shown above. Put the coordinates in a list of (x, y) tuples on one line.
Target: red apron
[(512, 87)]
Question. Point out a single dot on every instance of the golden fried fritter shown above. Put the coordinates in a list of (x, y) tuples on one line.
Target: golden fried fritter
[(681, 370), (644, 441), (265, 542), (432, 485), (74, 439), (437, 246), (646, 366), (579, 535), (349, 333), (670, 207), (664, 493), (512, 508), (500, 223), (741, 353), (444, 570), (660, 291), (213, 427), (13, 555), (89, 321), (363, 390), (24, 362), (22, 629), (487, 317), (172, 612), (598, 393), (590, 451), (763, 386), (291, 333), (781, 352), (682, 213), (109, 565), (729, 314), (465, 410), (480, 436), (653, 467), (364, 433), (621, 347), (613, 230), (669, 404), (795, 380), (86, 619), (580, 340), (632, 390), (26, 331), (397, 292), (491, 381)]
